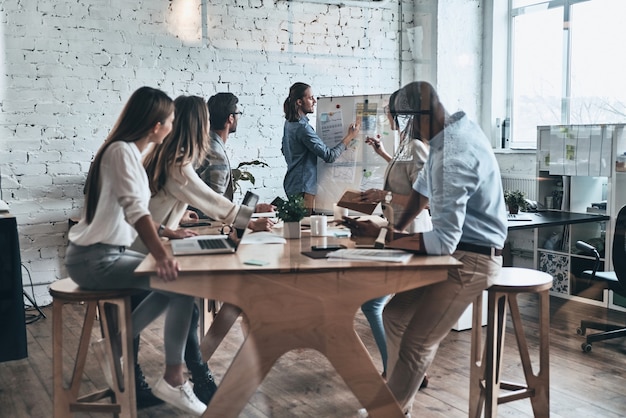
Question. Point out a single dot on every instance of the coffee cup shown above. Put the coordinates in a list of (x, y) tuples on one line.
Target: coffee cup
[(339, 212), (319, 225)]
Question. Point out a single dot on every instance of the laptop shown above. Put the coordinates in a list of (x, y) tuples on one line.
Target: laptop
[(250, 200), (215, 244)]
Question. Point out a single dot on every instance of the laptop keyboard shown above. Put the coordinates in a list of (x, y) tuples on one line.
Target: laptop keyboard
[(206, 244)]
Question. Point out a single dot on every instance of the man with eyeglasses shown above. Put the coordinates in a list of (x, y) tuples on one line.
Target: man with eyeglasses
[(216, 170), (461, 182), (223, 115)]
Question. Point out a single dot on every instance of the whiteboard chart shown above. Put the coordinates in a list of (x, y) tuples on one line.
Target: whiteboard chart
[(359, 167)]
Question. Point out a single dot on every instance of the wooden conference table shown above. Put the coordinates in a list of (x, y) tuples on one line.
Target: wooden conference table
[(295, 301)]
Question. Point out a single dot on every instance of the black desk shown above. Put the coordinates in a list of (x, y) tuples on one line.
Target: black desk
[(553, 218), (13, 324)]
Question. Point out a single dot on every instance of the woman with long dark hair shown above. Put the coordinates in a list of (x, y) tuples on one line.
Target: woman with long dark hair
[(116, 211)]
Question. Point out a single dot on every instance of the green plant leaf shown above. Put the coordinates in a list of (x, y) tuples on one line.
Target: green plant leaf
[(239, 174), (292, 209)]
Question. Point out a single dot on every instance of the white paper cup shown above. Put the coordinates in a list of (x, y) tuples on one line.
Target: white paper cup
[(319, 225), (339, 212)]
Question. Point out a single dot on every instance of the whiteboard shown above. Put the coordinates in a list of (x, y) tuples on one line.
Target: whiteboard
[(359, 167)]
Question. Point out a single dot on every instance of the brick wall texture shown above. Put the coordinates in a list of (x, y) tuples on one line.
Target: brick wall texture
[(69, 66)]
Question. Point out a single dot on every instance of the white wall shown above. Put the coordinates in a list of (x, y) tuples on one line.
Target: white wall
[(70, 66)]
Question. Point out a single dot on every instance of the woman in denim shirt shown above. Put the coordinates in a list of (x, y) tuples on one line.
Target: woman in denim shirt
[(302, 146)]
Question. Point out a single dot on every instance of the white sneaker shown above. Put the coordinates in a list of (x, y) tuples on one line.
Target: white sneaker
[(362, 413), (181, 397)]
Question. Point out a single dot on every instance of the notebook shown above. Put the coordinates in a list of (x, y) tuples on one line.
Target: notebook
[(395, 256), (517, 217), (215, 244)]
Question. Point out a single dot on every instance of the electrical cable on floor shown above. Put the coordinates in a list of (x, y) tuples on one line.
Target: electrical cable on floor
[(30, 315)]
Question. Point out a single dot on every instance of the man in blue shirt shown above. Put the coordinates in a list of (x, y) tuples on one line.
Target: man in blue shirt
[(461, 184)]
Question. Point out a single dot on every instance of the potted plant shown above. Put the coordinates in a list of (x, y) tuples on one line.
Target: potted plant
[(291, 211), (515, 200)]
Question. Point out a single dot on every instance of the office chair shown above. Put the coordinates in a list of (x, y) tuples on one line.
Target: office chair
[(613, 280)]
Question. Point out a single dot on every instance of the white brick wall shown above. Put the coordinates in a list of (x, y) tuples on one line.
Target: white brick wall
[(70, 66)]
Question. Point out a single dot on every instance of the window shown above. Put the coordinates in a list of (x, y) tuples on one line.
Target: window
[(566, 65)]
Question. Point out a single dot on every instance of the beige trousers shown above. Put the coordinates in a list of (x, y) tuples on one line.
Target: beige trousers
[(418, 320)]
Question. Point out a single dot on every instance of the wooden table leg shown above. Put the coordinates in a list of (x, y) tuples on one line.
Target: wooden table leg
[(355, 366), (270, 337), (222, 323), (251, 364)]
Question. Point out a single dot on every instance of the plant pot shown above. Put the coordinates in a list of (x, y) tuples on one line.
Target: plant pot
[(513, 210), (291, 230)]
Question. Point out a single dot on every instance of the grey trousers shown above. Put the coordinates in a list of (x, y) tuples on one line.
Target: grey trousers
[(418, 320), (102, 266)]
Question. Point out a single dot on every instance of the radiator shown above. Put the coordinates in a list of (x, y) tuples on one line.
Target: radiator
[(526, 184)]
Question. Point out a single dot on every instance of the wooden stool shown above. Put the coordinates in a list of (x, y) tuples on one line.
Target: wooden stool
[(485, 383), (114, 308)]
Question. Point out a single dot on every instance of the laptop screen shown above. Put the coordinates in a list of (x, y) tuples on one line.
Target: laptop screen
[(250, 200), (241, 220)]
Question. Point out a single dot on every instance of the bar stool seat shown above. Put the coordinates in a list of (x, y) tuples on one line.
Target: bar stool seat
[(114, 308), (486, 365)]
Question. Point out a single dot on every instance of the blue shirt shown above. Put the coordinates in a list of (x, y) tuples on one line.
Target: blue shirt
[(462, 181), (301, 148)]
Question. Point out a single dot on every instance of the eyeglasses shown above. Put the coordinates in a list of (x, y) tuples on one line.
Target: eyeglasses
[(237, 113)]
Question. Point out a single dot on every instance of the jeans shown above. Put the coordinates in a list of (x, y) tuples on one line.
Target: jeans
[(373, 311), (418, 320), (193, 356), (103, 266)]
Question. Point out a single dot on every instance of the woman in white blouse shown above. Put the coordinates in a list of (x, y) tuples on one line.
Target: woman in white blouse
[(116, 210), (175, 184)]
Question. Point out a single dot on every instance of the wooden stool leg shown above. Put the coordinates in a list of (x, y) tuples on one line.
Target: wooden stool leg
[(64, 397), (477, 361), (117, 330), (541, 400), (495, 346), (537, 386), (61, 403)]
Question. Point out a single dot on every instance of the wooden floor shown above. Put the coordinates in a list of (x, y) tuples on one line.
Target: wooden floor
[(303, 384)]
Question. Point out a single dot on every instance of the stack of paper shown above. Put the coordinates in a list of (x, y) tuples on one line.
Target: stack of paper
[(262, 237), (271, 215), (395, 256)]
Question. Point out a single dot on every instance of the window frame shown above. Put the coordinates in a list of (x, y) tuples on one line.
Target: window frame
[(498, 64)]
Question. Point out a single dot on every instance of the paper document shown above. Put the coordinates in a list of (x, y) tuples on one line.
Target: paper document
[(395, 256), (518, 217), (271, 215), (263, 237)]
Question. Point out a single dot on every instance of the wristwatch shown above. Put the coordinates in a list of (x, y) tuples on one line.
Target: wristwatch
[(161, 230)]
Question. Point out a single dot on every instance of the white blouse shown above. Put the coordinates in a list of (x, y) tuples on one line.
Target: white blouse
[(123, 200), (180, 190)]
